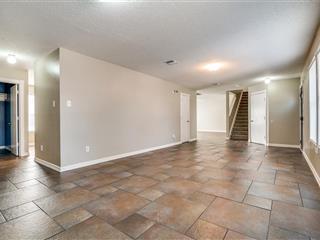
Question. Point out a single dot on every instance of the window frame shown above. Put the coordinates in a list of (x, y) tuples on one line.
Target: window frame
[(314, 61)]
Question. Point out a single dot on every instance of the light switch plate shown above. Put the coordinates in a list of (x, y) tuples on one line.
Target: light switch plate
[(87, 148), (69, 103)]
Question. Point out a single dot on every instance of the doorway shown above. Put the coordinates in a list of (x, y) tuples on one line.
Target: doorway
[(14, 117), (258, 113), (184, 117), (9, 118)]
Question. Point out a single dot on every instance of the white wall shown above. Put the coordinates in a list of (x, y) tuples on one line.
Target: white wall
[(211, 112)]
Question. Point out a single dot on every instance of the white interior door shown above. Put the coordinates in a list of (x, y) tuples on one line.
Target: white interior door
[(185, 117), (14, 118), (258, 110)]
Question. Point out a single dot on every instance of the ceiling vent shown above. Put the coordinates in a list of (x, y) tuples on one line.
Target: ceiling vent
[(170, 62)]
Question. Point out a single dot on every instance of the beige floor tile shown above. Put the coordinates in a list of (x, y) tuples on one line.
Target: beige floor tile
[(249, 220), (59, 203), (116, 206), (297, 219), (204, 230), (134, 225), (36, 225)]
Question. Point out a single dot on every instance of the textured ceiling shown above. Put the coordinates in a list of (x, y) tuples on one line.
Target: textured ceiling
[(251, 39)]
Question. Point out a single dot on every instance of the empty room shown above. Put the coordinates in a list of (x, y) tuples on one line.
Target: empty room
[(163, 120)]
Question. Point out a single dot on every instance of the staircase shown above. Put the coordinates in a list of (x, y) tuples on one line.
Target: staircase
[(240, 128)]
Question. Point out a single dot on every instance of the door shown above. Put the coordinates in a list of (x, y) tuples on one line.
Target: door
[(185, 117), (14, 120), (258, 110)]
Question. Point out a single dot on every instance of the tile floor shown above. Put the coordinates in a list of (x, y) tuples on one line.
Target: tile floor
[(209, 189)]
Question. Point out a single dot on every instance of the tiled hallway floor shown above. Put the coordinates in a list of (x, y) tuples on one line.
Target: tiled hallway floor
[(211, 189)]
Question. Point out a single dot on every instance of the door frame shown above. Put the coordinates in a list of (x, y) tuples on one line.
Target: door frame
[(267, 115), (188, 95), (21, 125), (301, 117)]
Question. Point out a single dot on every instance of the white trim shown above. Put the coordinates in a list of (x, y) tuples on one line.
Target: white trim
[(283, 145), (48, 164), (233, 102), (189, 113), (313, 170), (265, 91), (193, 139), (101, 160), (2, 147), (21, 112), (25, 154), (208, 130), (235, 115)]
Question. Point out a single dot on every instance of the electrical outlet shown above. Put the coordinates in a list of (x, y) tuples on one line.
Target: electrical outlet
[(87, 149), (41, 148), (173, 136), (53, 103)]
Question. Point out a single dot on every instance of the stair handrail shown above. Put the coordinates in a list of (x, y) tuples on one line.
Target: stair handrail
[(235, 115)]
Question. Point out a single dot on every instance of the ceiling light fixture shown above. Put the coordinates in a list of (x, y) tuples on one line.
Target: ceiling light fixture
[(11, 59), (212, 67), (267, 80)]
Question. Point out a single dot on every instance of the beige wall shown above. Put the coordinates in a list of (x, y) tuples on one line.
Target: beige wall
[(283, 110), (114, 110), (211, 112), (47, 117), (283, 101), (12, 72), (308, 147)]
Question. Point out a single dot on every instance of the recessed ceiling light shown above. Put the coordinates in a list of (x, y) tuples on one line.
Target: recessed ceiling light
[(170, 62), (212, 67), (11, 59), (267, 80)]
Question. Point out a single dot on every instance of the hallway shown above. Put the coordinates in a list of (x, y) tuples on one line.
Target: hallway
[(209, 189)]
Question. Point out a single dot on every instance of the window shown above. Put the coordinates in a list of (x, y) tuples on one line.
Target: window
[(318, 81), (313, 101)]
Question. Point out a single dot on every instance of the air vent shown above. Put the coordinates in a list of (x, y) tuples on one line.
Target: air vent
[(170, 62)]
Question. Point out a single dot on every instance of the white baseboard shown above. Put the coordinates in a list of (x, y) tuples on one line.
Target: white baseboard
[(5, 147), (282, 145), (208, 130), (106, 159), (48, 164), (102, 160), (313, 170), (25, 154), (193, 139)]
